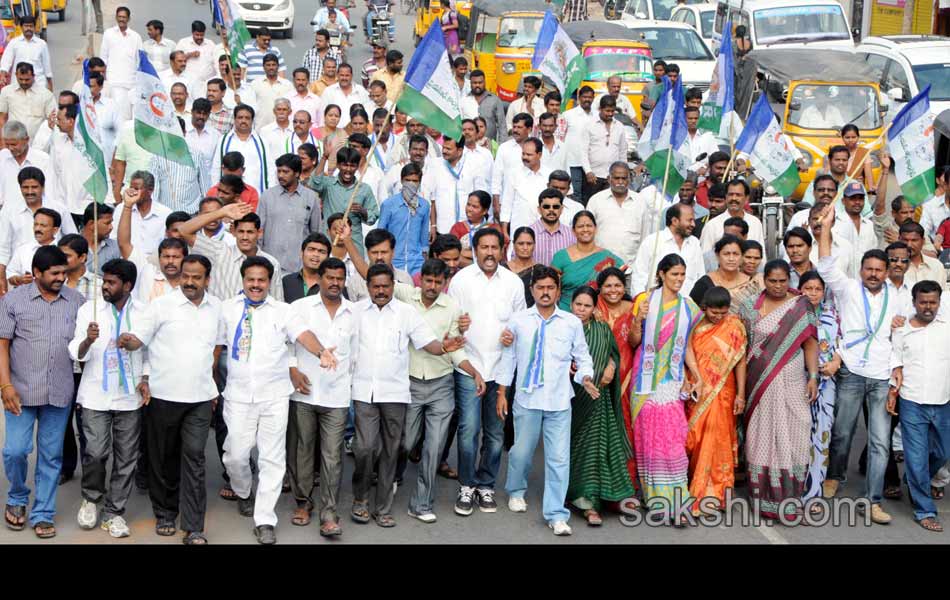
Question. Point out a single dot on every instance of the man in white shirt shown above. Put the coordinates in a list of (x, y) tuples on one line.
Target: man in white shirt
[(148, 217), (554, 155), (491, 296), (920, 383), (529, 103), (157, 46), (202, 140), (120, 51), (737, 195), (455, 177), (344, 93), (519, 200), (418, 154), (866, 310), (259, 167), (15, 156), (508, 159), (603, 143), (25, 102), (700, 145), (820, 113), (853, 227), (577, 119), (614, 84), (381, 388), (921, 267), (470, 136), (27, 48), (676, 238), (46, 224), (268, 90), (200, 54), (176, 72), (935, 211), (255, 329), (304, 99), (321, 399), (110, 398), (276, 133), (561, 181), (181, 331), (619, 212), (107, 117)]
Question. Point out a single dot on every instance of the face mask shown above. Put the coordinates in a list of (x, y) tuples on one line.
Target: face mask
[(410, 191)]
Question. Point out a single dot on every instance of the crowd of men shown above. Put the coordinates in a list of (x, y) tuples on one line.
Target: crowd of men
[(328, 279)]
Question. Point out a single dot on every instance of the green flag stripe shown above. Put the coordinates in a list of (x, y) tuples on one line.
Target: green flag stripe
[(918, 190), (786, 183), (414, 104)]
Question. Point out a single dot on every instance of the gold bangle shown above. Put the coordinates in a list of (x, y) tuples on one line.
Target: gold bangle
[(5, 386)]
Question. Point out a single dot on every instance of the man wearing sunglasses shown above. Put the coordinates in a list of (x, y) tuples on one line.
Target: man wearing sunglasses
[(549, 233)]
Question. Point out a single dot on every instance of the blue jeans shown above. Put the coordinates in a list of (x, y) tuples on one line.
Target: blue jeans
[(925, 431), (853, 392), (477, 416), (17, 448), (577, 184), (556, 426)]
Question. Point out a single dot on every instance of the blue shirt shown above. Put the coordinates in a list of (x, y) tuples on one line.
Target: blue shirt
[(563, 342), (411, 231)]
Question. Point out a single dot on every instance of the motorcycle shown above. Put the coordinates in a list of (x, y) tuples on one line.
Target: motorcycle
[(380, 22)]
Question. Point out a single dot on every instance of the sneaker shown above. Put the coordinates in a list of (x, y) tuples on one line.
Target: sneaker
[(426, 517), (88, 515), (463, 504), (117, 527), (517, 504), (348, 446), (879, 516), (560, 528), (829, 488), (486, 501)]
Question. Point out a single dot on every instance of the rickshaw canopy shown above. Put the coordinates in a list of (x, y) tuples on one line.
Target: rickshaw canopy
[(582, 32), (813, 64), (496, 8)]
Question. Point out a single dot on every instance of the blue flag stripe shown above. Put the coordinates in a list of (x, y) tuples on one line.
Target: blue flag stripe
[(659, 110), (914, 110), (145, 65), (545, 39), (678, 133), (758, 122), (425, 60), (725, 44)]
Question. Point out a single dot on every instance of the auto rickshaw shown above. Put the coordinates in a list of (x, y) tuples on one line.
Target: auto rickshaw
[(56, 6), (499, 39), (816, 98), (12, 10), (610, 49), (428, 11)]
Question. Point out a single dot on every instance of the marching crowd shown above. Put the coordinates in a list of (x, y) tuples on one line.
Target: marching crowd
[(333, 277)]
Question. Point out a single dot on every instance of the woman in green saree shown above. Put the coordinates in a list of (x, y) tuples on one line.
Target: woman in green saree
[(580, 263), (599, 444)]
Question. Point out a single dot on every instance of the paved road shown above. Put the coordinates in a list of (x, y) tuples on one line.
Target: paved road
[(224, 525)]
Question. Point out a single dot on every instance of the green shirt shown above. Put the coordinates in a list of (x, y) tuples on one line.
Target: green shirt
[(136, 158), (442, 317), (336, 197)]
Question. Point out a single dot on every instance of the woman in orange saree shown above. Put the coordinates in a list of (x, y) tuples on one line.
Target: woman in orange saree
[(615, 308), (719, 345)]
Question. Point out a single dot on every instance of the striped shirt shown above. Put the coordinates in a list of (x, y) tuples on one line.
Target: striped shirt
[(546, 244), (252, 59), (221, 120), (226, 263), (313, 62), (179, 187), (41, 370)]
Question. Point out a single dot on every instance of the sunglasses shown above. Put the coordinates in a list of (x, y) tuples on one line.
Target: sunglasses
[(894, 259), (550, 206), (826, 190)]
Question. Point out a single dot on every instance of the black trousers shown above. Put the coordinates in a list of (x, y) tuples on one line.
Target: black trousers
[(71, 454), (177, 434), (588, 189)]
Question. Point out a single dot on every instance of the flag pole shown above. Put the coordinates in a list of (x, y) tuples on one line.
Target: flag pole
[(227, 52), (850, 175), (95, 255), (359, 179), (659, 218)]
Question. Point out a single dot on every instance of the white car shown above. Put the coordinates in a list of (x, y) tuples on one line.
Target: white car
[(698, 16), (677, 43), (276, 15), (908, 63)]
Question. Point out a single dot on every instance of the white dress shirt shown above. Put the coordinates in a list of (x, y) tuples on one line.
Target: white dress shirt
[(262, 376), (103, 357), (22, 261), (204, 143), (701, 143), (159, 53), (382, 350), (555, 157), (170, 78), (644, 271), (329, 388), (491, 303), (260, 172), (10, 168), (619, 226), (507, 159), (107, 118), (69, 167), (849, 296), (623, 105), (564, 342), (714, 228), (601, 147), (861, 241), (924, 354), (275, 137), (310, 103), (180, 338), (203, 67), (577, 121), (267, 93), (120, 52), (520, 105), (16, 225), (33, 51), (452, 186), (334, 94), (148, 231), (934, 212), (151, 283), (519, 199)]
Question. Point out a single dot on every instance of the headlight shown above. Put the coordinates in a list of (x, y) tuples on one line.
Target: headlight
[(283, 5), (508, 67)]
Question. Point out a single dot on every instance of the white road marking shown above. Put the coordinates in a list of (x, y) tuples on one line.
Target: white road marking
[(291, 44), (769, 533)]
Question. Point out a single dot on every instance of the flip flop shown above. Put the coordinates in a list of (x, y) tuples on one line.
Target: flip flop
[(386, 521), (931, 524), (195, 538), (228, 494), (19, 517), (936, 493), (360, 513), (301, 517), (44, 530), (330, 529), (166, 528)]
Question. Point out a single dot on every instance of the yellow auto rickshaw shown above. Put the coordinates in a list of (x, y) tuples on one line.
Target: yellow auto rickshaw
[(428, 11), (816, 98), (612, 50), (12, 10), (56, 6), (500, 36)]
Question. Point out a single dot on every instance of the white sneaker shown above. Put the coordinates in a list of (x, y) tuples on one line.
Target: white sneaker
[(117, 527), (88, 515), (517, 504), (560, 528), (426, 517)]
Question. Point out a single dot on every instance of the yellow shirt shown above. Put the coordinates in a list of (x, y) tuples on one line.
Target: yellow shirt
[(393, 82), (320, 85), (442, 317)]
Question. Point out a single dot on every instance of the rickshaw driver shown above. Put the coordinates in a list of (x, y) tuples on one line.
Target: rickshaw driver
[(821, 113)]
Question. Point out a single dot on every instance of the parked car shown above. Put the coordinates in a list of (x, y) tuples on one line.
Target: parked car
[(698, 16), (677, 43), (276, 15), (908, 64), (785, 23)]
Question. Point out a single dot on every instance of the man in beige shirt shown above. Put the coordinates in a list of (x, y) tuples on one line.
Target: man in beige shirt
[(922, 267), (24, 102), (392, 75), (327, 79)]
